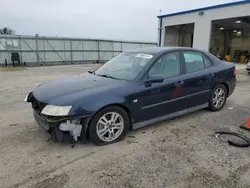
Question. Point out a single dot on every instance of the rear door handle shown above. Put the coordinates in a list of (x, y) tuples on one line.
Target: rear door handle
[(179, 83)]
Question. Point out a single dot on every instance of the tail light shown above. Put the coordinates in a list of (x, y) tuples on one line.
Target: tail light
[(234, 71)]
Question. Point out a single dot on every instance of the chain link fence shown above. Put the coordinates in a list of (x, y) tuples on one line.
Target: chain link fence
[(37, 50)]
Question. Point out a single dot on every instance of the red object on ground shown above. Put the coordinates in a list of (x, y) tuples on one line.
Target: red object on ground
[(248, 123)]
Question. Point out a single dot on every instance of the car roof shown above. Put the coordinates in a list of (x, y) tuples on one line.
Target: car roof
[(156, 50)]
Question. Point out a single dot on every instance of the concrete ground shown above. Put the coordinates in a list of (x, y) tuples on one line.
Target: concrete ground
[(178, 153)]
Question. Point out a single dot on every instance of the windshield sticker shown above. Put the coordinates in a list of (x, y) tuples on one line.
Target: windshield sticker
[(145, 56)]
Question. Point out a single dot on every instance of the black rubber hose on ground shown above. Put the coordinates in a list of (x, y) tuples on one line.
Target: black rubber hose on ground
[(244, 128), (243, 137), (246, 145)]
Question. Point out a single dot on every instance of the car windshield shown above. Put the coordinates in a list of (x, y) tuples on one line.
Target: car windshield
[(125, 66)]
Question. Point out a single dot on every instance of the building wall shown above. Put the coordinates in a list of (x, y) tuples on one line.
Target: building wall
[(202, 28), (52, 50)]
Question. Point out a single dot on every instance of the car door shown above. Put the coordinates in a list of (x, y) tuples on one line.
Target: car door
[(158, 99), (199, 78)]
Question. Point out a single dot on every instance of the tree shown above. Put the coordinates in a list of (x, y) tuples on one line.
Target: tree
[(6, 31)]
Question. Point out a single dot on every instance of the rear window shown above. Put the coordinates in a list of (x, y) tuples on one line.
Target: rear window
[(196, 61)]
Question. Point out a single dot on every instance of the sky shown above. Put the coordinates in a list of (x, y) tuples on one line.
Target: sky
[(102, 19)]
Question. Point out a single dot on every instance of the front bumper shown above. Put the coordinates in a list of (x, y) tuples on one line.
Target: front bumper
[(57, 135)]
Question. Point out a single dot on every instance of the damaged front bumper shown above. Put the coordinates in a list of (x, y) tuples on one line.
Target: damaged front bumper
[(64, 129)]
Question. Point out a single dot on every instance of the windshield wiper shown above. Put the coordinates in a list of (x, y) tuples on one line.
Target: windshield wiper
[(102, 75), (107, 76), (91, 72)]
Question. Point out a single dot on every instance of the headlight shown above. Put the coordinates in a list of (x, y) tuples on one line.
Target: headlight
[(26, 98), (52, 110)]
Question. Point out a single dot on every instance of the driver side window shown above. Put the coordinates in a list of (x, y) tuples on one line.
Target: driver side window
[(167, 66)]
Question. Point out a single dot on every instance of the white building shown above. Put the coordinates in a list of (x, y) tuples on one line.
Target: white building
[(222, 29)]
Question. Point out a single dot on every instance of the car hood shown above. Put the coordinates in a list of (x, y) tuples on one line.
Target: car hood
[(68, 90)]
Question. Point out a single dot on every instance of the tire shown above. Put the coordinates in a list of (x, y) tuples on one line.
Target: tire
[(212, 105), (118, 134), (248, 73)]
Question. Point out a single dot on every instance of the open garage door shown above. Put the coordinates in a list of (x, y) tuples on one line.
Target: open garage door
[(230, 39), (179, 35)]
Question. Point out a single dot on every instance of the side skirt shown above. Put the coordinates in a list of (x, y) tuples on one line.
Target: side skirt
[(168, 116)]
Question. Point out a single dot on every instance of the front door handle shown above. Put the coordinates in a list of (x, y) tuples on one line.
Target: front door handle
[(179, 83), (210, 75)]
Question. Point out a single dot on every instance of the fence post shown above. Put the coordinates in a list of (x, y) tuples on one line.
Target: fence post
[(44, 50), (65, 50), (83, 51), (113, 48), (9, 53), (71, 51), (37, 54), (98, 48), (20, 47)]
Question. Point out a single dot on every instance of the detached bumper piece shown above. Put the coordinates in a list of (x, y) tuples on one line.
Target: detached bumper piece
[(73, 127), (64, 129)]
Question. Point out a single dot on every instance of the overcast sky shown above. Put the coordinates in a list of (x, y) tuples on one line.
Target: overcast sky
[(106, 19)]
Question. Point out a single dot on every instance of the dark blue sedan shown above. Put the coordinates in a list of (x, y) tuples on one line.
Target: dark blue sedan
[(134, 89)]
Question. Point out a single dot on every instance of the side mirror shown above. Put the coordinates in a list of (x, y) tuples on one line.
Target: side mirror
[(154, 79)]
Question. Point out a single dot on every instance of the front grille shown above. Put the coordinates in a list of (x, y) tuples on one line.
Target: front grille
[(37, 105)]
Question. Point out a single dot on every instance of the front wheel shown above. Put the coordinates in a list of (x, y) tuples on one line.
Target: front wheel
[(109, 125), (218, 98)]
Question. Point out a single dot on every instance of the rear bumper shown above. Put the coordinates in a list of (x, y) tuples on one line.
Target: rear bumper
[(232, 85), (57, 135)]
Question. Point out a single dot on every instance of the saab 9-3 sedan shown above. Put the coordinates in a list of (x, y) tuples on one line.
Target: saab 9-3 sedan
[(134, 89)]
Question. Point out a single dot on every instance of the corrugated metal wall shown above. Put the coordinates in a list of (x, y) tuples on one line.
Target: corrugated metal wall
[(52, 50)]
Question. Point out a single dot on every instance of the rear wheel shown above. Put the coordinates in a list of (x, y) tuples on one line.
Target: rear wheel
[(218, 98), (109, 125)]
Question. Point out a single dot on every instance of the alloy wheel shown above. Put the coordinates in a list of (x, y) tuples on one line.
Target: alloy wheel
[(110, 126), (219, 97)]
